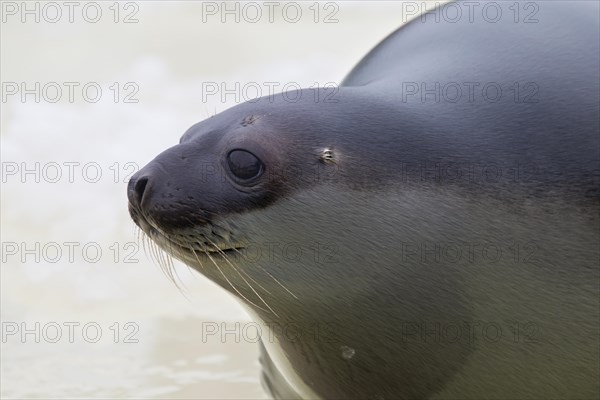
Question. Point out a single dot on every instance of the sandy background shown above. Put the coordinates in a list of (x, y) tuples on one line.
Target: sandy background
[(85, 312)]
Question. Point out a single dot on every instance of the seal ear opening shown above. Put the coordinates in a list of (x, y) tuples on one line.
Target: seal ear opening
[(327, 156)]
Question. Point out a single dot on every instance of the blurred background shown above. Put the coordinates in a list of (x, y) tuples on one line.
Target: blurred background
[(91, 92)]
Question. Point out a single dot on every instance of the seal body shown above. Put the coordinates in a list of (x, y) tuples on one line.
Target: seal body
[(429, 231)]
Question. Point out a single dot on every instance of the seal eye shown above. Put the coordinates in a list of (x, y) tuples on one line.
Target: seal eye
[(244, 165)]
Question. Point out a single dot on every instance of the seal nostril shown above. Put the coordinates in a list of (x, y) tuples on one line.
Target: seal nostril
[(140, 187)]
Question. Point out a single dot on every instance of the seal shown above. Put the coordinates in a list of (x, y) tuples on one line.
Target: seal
[(429, 229)]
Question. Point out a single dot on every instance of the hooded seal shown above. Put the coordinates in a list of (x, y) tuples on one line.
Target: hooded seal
[(430, 231)]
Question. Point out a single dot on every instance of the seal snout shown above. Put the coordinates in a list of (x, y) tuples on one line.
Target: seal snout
[(157, 199), (173, 217)]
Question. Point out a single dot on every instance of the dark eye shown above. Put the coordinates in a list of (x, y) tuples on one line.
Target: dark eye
[(244, 165)]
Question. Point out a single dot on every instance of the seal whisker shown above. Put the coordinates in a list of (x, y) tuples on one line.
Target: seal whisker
[(136, 232), (168, 262), (164, 258), (168, 268), (230, 283), (161, 259), (275, 279), (251, 287), (147, 246), (191, 248), (167, 257), (244, 272), (156, 257), (155, 251), (196, 256), (255, 281), (142, 239), (241, 276), (149, 252)]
